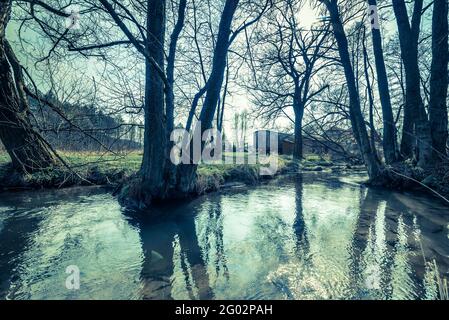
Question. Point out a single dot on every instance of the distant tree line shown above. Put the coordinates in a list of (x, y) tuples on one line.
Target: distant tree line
[(89, 128)]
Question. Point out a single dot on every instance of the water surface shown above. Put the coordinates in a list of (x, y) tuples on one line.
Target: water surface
[(314, 236)]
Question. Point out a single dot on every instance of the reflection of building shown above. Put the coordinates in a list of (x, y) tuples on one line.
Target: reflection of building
[(335, 140)]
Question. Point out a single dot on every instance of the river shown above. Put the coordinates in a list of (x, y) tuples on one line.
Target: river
[(311, 236)]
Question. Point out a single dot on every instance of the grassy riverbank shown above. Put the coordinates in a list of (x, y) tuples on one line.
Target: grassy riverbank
[(86, 169), (108, 169), (111, 170)]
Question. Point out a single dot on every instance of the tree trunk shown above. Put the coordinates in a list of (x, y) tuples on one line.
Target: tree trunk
[(170, 97), (220, 113), (389, 132), (412, 95), (366, 67), (187, 172), (298, 108), (356, 116), (298, 152), (155, 139), (26, 147), (439, 80), (416, 123)]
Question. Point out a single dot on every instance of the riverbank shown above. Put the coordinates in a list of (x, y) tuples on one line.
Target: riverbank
[(93, 169), (87, 169), (407, 176)]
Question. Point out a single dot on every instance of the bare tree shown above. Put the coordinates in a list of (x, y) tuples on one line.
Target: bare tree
[(415, 115), (390, 143), (285, 70), (187, 174), (439, 80), (171, 59), (27, 148), (356, 115)]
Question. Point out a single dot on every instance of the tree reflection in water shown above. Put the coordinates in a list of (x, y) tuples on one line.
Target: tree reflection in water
[(368, 244), (299, 225), (213, 236), (304, 237), (159, 240), (388, 258)]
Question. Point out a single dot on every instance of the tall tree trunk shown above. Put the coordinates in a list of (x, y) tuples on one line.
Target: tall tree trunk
[(26, 147), (155, 144), (416, 124), (187, 172), (170, 97), (299, 115), (412, 95), (356, 116), (390, 144), (439, 79), (366, 68), (170, 94), (220, 113)]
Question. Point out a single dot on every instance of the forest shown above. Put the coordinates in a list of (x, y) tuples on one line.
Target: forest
[(172, 105)]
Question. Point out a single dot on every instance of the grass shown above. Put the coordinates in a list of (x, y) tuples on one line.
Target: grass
[(110, 169), (212, 177), (87, 169), (4, 157), (441, 282), (79, 160), (317, 158)]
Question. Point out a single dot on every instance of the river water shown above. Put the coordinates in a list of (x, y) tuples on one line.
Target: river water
[(313, 236)]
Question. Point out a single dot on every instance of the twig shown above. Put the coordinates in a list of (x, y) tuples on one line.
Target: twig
[(421, 184)]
